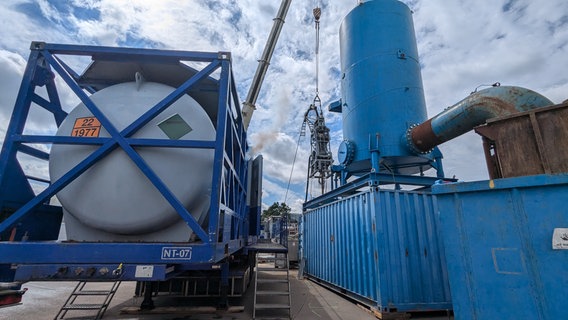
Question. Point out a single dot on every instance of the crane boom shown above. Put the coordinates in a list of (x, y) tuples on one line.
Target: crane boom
[(263, 63)]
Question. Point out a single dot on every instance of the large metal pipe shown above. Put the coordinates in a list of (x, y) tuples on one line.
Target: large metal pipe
[(472, 111), (263, 63)]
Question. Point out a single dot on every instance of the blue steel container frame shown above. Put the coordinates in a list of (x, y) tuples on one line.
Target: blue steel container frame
[(227, 229), (381, 247), (382, 91), (498, 241)]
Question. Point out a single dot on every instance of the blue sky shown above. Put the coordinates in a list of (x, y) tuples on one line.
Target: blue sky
[(462, 44)]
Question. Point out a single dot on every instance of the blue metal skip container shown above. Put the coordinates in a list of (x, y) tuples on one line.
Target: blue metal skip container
[(380, 247), (506, 244)]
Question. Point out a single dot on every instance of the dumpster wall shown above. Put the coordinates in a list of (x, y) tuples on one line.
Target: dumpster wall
[(528, 143), (504, 246)]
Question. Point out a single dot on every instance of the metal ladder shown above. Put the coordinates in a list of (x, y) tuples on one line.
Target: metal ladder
[(80, 291), (272, 286)]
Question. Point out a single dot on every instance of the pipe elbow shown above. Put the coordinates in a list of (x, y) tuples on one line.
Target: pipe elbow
[(471, 112)]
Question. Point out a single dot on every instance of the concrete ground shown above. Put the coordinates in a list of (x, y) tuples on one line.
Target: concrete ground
[(309, 301)]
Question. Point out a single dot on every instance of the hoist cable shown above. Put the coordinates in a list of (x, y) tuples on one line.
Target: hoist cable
[(293, 164)]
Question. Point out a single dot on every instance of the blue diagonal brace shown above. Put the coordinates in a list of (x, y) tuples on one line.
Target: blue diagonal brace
[(120, 138), (59, 184), (52, 107), (33, 152), (164, 190), (134, 156), (73, 74), (111, 145), (170, 99)]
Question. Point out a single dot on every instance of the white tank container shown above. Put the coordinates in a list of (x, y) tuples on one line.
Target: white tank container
[(113, 200)]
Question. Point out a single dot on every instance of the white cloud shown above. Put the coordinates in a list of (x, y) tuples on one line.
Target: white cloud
[(274, 190), (12, 67), (462, 44)]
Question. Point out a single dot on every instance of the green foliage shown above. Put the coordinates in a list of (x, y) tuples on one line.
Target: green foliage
[(276, 209)]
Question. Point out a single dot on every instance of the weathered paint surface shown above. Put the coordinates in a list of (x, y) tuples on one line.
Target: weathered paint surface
[(528, 143), (472, 111), (499, 244)]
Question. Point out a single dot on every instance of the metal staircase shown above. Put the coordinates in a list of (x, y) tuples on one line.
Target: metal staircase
[(81, 292), (272, 287)]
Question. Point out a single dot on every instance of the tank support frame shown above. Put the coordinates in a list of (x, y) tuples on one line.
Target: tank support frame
[(30, 225)]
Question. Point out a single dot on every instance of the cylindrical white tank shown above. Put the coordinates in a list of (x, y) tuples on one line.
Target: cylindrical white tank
[(114, 200)]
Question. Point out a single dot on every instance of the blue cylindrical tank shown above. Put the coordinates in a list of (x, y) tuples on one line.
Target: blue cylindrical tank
[(382, 94)]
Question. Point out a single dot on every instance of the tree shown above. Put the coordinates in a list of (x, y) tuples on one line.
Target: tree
[(276, 209)]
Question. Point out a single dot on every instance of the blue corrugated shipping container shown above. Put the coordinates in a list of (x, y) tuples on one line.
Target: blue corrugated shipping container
[(381, 247), (506, 244)]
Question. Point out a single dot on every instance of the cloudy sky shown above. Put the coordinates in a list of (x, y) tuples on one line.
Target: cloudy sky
[(462, 44)]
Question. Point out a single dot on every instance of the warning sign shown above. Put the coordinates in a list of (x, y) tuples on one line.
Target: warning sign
[(86, 127)]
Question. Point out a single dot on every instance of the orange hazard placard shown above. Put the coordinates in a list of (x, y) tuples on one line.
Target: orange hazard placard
[(86, 127)]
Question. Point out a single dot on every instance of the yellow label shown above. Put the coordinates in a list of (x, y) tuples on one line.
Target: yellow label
[(86, 127), (491, 184)]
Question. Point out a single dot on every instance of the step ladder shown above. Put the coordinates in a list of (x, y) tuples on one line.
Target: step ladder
[(272, 287), (88, 294)]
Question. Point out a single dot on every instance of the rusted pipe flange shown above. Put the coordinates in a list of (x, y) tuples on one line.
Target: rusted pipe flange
[(410, 142)]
